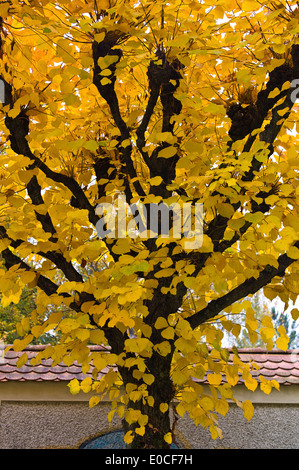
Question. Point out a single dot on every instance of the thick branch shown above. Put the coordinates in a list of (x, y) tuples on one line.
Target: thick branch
[(19, 129), (250, 286), (44, 283), (107, 91), (244, 121), (164, 78), (10, 259), (57, 258)]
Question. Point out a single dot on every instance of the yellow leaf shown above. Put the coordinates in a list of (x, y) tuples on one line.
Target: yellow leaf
[(267, 333), (19, 345), (97, 336), (214, 379), (139, 345), (281, 245), (274, 93), (165, 272), (163, 407), (129, 437), (105, 81), (28, 276), (248, 409), (4, 243), (65, 50), (110, 415), (121, 411), (132, 415), (85, 368), (283, 111), (148, 378), (207, 403), (168, 438), (99, 37), (163, 348), (181, 409), (167, 152), (207, 245), (22, 360), (293, 252), (37, 330), (161, 323), (150, 401), (283, 341), (25, 322), (251, 383), (142, 420), (156, 181), (189, 396), (14, 112), (74, 386), (122, 246), (86, 384), (94, 401), (295, 314), (82, 334), (250, 5), (168, 333), (4, 9), (221, 406), (140, 431), (226, 210), (99, 362), (215, 432), (165, 137), (136, 395)]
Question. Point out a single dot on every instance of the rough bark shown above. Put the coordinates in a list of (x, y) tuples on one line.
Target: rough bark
[(162, 391)]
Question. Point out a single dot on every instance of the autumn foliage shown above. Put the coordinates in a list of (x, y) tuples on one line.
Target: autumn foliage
[(173, 102)]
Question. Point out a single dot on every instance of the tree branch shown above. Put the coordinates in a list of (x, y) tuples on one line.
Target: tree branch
[(19, 129), (56, 257), (107, 91), (244, 121), (250, 286)]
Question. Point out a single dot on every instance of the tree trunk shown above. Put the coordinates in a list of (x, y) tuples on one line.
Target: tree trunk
[(162, 391)]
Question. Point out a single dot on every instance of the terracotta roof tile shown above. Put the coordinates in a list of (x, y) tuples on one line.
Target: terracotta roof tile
[(43, 371), (274, 365), (278, 365)]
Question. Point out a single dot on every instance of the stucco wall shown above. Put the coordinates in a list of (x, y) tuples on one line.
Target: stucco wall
[(32, 425), (273, 426)]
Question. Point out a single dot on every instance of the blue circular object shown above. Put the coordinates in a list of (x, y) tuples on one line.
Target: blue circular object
[(109, 440)]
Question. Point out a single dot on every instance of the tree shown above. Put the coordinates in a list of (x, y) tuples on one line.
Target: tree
[(19, 316), (243, 335), (12, 315), (286, 322), (150, 105), (247, 334)]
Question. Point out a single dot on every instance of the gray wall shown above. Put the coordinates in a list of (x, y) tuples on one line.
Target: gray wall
[(33, 425), (272, 427)]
